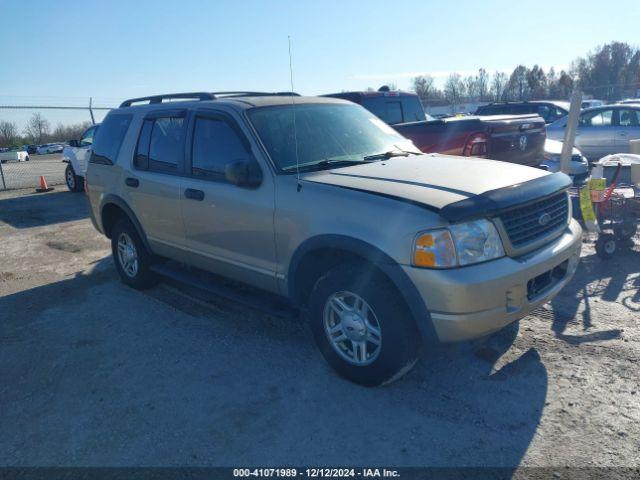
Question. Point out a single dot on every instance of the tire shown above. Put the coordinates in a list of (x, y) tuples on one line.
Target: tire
[(625, 230), (387, 355), (606, 246), (74, 182), (123, 236)]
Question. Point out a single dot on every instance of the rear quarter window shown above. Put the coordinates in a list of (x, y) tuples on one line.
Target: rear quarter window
[(413, 110), (108, 138), (388, 109)]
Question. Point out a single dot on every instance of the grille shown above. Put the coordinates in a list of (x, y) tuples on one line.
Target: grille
[(523, 225)]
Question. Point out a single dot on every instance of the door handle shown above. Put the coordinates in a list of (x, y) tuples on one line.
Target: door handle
[(132, 182), (623, 134), (194, 194)]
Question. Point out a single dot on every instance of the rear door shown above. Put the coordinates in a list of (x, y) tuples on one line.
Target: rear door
[(229, 229), (152, 186), (595, 133), (627, 128)]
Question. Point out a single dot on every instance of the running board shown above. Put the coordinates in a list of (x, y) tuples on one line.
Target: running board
[(244, 295)]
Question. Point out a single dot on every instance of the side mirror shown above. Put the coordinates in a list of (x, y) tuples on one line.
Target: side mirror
[(74, 143), (243, 173)]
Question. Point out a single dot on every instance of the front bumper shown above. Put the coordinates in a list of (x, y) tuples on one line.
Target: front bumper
[(473, 301)]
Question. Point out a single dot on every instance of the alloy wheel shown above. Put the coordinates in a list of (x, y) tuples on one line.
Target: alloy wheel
[(352, 328), (127, 255)]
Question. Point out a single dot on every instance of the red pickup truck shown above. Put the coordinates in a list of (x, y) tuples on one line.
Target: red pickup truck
[(510, 138)]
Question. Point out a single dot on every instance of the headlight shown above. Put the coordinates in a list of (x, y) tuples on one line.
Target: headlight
[(457, 245)]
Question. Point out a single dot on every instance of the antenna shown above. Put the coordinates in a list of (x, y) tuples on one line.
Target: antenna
[(293, 107)]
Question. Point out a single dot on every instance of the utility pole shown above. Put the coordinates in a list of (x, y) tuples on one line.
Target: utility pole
[(570, 131), (93, 120), (4, 185)]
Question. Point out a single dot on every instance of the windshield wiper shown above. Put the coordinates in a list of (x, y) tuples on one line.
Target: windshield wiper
[(385, 155), (324, 163), (408, 152)]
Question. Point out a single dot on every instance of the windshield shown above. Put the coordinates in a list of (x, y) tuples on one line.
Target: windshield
[(325, 133)]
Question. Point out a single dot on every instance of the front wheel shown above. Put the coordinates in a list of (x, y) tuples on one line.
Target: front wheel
[(362, 326)]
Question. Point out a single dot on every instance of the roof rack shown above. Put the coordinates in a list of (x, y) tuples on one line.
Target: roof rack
[(201, 96), (169, 96), (256, 94)]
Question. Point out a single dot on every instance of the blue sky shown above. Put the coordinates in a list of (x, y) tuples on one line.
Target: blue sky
[(116, 49)]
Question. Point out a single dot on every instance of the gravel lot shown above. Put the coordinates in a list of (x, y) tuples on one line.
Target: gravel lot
[(97, 374), (27, 174)]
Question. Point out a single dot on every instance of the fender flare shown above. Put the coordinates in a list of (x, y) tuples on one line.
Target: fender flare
[(381, 260), (119, 202)]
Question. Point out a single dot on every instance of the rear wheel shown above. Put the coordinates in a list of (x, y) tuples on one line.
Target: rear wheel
[(362, 326), (74, 182), (132, 260), (625, 230), (606, 246)]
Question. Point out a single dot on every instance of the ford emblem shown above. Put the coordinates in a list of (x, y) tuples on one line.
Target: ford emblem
[(523, 143), (544, 219)]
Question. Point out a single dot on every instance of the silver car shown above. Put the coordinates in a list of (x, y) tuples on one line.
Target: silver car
[(602, 130), (321, 202)]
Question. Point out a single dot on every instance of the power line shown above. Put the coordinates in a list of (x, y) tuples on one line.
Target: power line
[(49, 107)]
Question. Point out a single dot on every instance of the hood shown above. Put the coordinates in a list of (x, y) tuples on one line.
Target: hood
[(436, 180), (554, 147)]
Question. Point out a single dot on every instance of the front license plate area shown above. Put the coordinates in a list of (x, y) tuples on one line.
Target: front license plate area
[(543, 282)]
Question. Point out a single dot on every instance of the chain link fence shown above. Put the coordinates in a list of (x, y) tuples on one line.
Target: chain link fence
[(26, 174), (58, 118)]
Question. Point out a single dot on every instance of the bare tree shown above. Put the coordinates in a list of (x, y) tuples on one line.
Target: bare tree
[(8, 133), (63, 133), (498, 86), (470, 88), (482, 84), (37, 128), (453, 87), (423, 85)]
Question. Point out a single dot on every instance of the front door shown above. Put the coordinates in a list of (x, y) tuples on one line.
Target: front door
[(82, 152), (228, 228), (627, 128)]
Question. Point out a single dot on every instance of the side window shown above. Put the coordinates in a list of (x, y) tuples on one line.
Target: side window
[(524, 110), (215, 145), (412, 109), (545, 112), (141, 160), (87, 137), (557, 113), (629, 118), (161, 144), (598, 118), (108, 138), (376, 106), (394, 112)]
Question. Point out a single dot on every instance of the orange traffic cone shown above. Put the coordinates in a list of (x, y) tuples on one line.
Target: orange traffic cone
[(43, 185)]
